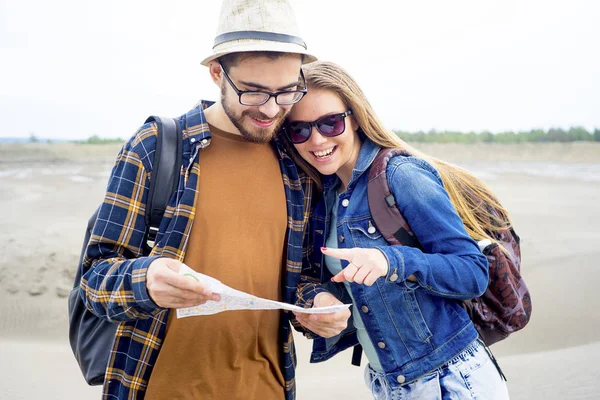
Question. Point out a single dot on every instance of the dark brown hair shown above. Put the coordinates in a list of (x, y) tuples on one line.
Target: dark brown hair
[(233, 59)]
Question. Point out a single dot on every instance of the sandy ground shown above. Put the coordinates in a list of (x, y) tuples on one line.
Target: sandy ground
[(553, 191)]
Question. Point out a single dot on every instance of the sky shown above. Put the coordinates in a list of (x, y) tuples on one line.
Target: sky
[(70, 69)]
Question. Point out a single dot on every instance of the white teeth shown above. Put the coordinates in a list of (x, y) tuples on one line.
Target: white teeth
[(323, 153)]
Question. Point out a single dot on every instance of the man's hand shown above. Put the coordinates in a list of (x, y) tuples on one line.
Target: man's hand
[(325, 325), (168, 289)]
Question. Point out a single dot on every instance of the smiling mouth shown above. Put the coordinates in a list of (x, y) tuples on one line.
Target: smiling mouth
[(324, 154), (263, 122)]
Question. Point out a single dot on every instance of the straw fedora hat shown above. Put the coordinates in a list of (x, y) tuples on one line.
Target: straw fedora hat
[(257, 25)]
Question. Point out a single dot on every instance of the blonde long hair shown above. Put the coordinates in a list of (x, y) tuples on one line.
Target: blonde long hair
[(463, 188)]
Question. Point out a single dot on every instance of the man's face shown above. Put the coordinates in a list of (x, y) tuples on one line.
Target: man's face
[(260, 124)]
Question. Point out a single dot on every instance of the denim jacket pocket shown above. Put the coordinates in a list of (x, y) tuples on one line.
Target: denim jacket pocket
[(364, 233), (407, 320), (416, 316)]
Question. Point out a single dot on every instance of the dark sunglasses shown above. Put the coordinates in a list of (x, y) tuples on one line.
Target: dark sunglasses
[(328, 125)]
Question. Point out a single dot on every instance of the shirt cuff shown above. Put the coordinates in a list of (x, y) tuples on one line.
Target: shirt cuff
[(139, 271)]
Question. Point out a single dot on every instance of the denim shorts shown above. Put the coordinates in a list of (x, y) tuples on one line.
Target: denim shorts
[(469, 375)]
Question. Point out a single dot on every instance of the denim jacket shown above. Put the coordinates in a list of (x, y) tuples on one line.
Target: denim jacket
[(415, 327)]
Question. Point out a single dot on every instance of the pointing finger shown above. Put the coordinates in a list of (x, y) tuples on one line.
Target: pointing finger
[(341, 254)]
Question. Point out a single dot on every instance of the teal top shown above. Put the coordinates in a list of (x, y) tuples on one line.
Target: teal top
[(335, 266)]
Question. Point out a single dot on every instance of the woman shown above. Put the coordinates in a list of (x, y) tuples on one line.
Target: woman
[(407, 312)]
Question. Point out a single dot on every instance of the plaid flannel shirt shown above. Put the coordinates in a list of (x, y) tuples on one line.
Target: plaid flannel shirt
[(114, 284)]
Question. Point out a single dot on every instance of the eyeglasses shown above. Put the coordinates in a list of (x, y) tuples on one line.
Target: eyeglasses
[(258, 98), (328, 125)]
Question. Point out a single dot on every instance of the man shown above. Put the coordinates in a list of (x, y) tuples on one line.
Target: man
[(239, 215)]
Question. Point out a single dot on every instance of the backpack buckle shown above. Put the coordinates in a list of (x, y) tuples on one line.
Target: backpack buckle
[(151, 237), (390, 200)]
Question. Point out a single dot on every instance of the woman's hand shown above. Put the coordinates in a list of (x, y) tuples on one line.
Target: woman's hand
[(325, 325), (364, 265)]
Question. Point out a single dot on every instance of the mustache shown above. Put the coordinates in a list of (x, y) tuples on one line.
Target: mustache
[(258, 115)]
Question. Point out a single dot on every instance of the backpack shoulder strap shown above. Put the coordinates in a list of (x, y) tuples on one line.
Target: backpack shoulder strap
[(382, 204), (165, 172)]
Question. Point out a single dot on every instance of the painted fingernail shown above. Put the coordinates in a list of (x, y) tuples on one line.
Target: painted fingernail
[(323, 248)]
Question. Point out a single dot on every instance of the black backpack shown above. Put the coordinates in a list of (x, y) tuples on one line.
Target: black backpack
[(91, 337)]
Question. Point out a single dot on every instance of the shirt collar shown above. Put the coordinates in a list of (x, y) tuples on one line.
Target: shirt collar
[(368, 152), (196, 127)]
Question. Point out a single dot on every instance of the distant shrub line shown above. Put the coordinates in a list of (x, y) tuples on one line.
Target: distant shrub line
[(533, 136), (98, 140)]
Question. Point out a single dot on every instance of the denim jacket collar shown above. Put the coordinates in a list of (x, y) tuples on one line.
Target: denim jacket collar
[(368, 152)]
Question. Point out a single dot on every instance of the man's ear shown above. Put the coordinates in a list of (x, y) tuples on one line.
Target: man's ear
[(216, 74)]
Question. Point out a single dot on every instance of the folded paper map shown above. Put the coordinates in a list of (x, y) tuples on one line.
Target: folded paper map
[(232, 299)]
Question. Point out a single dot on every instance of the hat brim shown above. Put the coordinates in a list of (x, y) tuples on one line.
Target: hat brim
[(249, 45)]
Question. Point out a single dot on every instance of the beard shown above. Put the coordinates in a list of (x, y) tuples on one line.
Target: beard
[(256, 135)]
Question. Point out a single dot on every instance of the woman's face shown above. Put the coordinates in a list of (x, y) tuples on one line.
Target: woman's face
[(329, 155)]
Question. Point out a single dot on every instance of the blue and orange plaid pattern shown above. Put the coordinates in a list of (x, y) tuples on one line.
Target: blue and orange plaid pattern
[(114, 285)]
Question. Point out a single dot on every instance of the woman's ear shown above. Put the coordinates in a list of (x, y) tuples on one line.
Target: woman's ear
[(216, 73), (353, 124), (356, 128)]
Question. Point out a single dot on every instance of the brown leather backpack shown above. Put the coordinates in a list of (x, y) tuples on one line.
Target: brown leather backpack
[(505, 307)]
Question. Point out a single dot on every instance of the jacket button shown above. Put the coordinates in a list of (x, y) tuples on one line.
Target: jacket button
[(394, 277), (365, 309), (345, 202), (381, 345), (341, 239), (401, 379)]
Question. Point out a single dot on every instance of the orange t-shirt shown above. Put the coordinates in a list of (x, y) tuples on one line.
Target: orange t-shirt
[(237, 237)]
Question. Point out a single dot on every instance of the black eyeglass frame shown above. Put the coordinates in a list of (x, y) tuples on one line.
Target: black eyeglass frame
[(286, 126), (276, 94)]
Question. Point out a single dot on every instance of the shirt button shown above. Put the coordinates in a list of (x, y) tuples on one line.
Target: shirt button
[(381, 345), (401, 379), (192, 140), (365, 309), (394, 277), (345, 202), (341, 239)]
